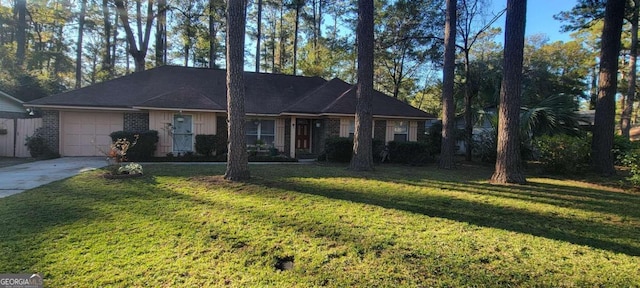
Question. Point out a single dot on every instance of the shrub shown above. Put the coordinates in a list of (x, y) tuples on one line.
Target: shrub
[(562, 153), (378, 147), (413, 153), (131, 168), (485, 146), (632, 160), (38, 147), (206, 144), (145, 146), (340, 149), (621, 147), (434, 138)]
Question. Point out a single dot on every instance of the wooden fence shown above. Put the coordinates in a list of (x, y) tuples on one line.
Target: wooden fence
[(13, 134)]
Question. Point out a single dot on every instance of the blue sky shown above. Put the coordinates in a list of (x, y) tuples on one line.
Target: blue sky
[(540, 17)]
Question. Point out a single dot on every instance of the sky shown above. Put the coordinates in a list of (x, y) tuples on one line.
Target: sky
[(540, 17)]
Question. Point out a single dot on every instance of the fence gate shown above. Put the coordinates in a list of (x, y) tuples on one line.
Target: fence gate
[(13, 134)]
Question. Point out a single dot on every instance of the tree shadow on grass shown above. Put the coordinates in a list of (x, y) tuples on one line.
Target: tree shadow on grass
[(23, 221), (578, 231), (625, 205)]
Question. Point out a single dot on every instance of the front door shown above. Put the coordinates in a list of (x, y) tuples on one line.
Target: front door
[(182, 133), (303, 134)]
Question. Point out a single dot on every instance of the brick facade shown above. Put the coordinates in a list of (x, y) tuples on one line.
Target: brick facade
[(320, 135), (221, 128), (136, 122), (333, 127), (330, 127), (51, 129), (380, 130)]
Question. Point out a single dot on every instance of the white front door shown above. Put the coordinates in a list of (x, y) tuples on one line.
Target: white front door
[(182, 133)]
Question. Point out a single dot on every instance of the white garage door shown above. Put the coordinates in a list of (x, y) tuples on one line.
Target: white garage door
[(86, 133)]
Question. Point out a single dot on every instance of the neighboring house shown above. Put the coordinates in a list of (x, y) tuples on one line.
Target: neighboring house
[(11, 107), (294, 114), (586, 118), (16, 124), (482, 124)]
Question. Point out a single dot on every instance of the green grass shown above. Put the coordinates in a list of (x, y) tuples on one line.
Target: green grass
[(396, 226)]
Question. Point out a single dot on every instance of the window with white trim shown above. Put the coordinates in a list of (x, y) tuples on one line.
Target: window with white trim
[(401, 131), (260, 131)]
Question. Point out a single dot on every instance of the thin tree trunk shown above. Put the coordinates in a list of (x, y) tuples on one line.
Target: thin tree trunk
[(114, 45), (508, 161), (594, 89), (259, 35), (161, 34), (106, 60), (448, 105), (212, 36), (314, 15), (187, 32), (138, 55), (83, 11), (468, 115), (603, 130), (237, 158), (625, 119), (59, 51), (21, 31), (273, 47), (282, 42), (362, 159), (295, 36)]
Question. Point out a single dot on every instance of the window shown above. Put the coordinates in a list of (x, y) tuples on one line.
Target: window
[(351, 129), (261, 132), (428, 124), (401, 131)]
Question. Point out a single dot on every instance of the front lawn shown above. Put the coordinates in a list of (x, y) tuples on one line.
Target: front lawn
[(317, 225)]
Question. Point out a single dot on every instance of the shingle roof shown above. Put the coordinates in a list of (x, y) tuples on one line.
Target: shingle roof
[(188, 98), (14, 99), (174, 87), (339, 97)]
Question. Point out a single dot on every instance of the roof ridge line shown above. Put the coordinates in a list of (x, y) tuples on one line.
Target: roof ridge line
[(344, 94), (303, 98)]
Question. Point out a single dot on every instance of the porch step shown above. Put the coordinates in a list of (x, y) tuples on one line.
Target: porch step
[(301, 156)]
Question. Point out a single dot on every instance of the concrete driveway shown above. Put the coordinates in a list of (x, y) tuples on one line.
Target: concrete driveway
[(18, 178)]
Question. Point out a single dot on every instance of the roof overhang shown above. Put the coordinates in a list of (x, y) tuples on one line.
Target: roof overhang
[(299, 114), (378, 116), (64, 107), (11, 98), (177, 109), (352, 115)]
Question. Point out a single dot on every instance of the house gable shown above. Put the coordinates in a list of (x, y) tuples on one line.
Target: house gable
[(10, 104), (187, 98), (337, 97)]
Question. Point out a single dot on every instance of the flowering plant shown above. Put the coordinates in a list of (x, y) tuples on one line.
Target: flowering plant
[(118, 149), (131, 169)]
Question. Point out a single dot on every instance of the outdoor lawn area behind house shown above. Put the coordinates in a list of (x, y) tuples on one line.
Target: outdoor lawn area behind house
[(322, 225)]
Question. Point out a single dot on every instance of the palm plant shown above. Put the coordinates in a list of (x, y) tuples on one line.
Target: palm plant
[(554, 114)]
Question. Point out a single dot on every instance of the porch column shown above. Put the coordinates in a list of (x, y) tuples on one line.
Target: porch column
[(292, 141)]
